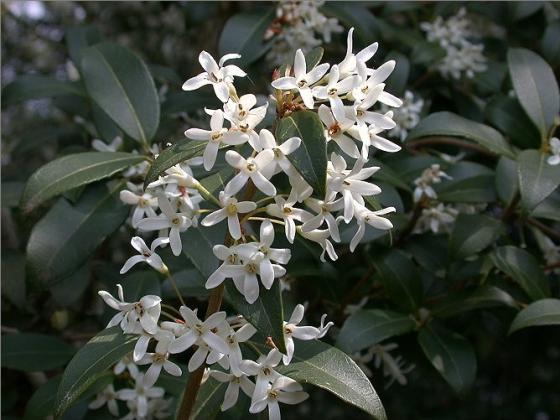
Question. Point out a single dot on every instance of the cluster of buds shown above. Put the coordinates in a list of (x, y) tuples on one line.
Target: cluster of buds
[(343, 96)]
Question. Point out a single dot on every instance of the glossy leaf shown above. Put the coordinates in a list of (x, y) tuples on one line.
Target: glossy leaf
[(91, 361), (452, 356), (121, 84), (481, 297), (539, 313), (354, 15), (67, 235), (401, 279), (549, 43), (322, 365), (478, 189), (29, 87), (34, 352), (537, 179), (472, 233), (41, 403), (453, 125), (524, 269), (507, 184), (244, 34), (197, 246), (266, 314), (371, 326), (71, 171), (78, 39), (535, 86), (310, 159), (209, 399), (549, 208)]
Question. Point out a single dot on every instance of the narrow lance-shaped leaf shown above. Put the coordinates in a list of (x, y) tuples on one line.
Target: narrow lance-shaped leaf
[(535, 86), (34, 352), (37, 87), (71, 171), (310, 159), (449, 124), (327, 367), (451, 354), (121, 84), (371, 326), (480, 298), (91, 361), (539, 313), (537, 179)]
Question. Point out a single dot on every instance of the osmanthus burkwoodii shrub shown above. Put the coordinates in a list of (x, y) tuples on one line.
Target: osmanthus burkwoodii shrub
[(331, 189)]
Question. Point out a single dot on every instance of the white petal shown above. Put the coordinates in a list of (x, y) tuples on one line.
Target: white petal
[(132, 261), (299, 65), (285, 83)]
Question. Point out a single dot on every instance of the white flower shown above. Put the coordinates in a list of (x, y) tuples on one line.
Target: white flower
[(244, 119), (292, 330), (286, 211), (348, 64), (284, 390), (230, 210), (159, 359), (144, 205), (336, 129), (235, 382), (430, 176), (101, 146), (169, 218), (554, 158), (335, 88), (407, 116), (250, 168), (324, 210), (232, 340), (322, 238), (216, 136), (263, 369), (436, 218), (106, 396), (138, 397), (392, 367), (145, 312), (126, 363), (230, 258), (200, 330), (373, 218), (302, 80), (280, 162), (216, 74), (147, 255), (374, 84)]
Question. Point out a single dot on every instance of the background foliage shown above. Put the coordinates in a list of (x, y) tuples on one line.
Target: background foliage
[(449, 299)]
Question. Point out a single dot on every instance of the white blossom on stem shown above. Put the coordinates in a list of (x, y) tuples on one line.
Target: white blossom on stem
[(284, 390), (235, 382), (230, 210), (250, 168), (147, 255)]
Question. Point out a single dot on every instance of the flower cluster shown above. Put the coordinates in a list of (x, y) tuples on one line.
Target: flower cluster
[(407, 116), (298, 24), (343, 96), (463, 57)]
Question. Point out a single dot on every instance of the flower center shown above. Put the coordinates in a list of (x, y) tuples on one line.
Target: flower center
[(159, 358), (244, 127), (139, 308), (334, 130), (232, 259), (216, 136), (251, 268), (176, 221), (360, 113), (287, 210), (251, 167), (273, 394), (231, 209), (142, 202), (214, 78), (302, 83), (332, 91), (277, 152)]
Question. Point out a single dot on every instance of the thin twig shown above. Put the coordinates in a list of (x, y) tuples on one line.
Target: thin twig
[(448, 141), (544, 228)]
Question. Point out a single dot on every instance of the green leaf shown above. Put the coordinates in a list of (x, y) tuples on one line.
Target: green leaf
[(121, 84), (106, 128), (29, 87), (189, 102), (535, 86), (541, 312), (401, 279), (67, 235), (537, 179), (197, 246), (449, 124), (481, 297), (266, 314), (452, 356), (71, 171), (524, 269), (507, 184), (41, 403), (354, 15), (549, 208), (477, 189), (310, 159), (427, 53), (70, 289), (209, 399), (371, 326), (34, 352), (78, 39), (472, 233), (13, 278), (91, 361), (549, 43), (244, 34), (396, 83), (326, 367)]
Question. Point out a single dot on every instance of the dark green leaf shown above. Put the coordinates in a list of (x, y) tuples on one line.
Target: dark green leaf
[(541, 312), (106, 128), (472, 233), (164, 74), (34, 352), (189, 282), (371, 326), (91, 362), (266, 314), (537, 179), (549, 43), (549, 208), (310, 159), (209, 399), (67, 235), (13, 278), (78, 39), (452, 356), (427, 53), (38, 87), (535, 86), (244, 34), (396, 83), (197, 246), (401, 279), (478, 189), (354, 15), (71, 171), (524, 269), (189, 102), (519, 10), (121, 84), (491, 80), (327, 367), (469, 300), (449, 124), (41, 403), (507, 184), (71, 288)]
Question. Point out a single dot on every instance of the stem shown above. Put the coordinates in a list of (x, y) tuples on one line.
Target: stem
[(416, 213), (509, 212), (544, 228), (429, 141), (175, 288)]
